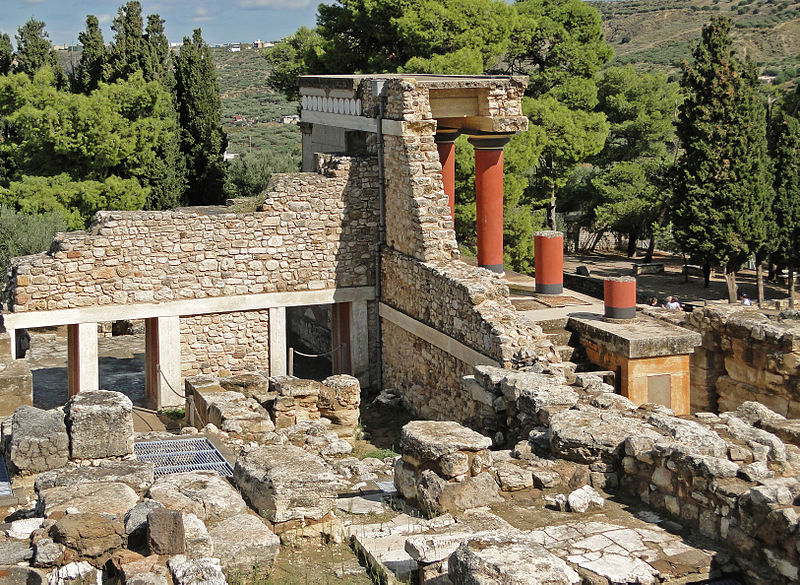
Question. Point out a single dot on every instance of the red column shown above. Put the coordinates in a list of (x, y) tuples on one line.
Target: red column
[(619, 297), (445, 144), (489, 199), (548, 249)]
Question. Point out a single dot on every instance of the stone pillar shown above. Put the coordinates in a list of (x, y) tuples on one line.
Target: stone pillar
[(446, 146), (277, 341), (82, 368), (619, 297), (359, 342), (549, 262), (162, 362), (489, 199)]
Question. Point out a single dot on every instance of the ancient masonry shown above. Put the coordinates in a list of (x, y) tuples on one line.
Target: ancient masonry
[(366, 232)]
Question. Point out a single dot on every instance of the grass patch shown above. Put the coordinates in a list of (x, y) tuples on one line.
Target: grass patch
[(174, 413)]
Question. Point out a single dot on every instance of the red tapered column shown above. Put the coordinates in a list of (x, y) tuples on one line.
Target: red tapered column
[(489, 199), (619, 296), (446, 145), (548, 247)]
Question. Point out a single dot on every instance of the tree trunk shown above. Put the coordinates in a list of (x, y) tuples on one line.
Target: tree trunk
[(598, 236), (730, 280), (706, 275), (790, 286), (551, 208), (760, 281), (633, 237)]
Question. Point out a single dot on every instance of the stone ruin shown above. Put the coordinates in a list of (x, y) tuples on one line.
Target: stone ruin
[(363, 239)]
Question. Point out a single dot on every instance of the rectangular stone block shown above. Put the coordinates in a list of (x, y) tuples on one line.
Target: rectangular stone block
[(100, 424)]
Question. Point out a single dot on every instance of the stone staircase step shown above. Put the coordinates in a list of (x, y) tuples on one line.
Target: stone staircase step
[(565, 352), (559, 336)]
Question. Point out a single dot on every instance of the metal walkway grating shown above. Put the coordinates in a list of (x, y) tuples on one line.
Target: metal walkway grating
[(179, 455)]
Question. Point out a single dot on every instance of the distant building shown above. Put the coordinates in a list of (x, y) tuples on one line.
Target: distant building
[(226, 156), (234, 48), (259, 44), (292, 119)]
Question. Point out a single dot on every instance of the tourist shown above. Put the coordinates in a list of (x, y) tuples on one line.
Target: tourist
[(746, 300), (673, 303), (653, 302)]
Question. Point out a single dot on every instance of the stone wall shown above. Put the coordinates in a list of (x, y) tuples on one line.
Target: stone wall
[(316, 231), (724, 476), (745, 355), (468, 304), (224, 343)]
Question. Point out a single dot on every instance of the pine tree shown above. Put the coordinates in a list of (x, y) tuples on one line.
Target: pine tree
[(6, 54), (200, 114), (722, 190), (785, 151), (91, 67), (128, 52), (157, 66), (35, 51)]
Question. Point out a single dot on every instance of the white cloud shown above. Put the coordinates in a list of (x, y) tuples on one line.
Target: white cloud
[(272, 4), (201, 14), (104, 18), (33, 1)]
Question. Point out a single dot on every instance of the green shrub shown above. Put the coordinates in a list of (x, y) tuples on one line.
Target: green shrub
[(24, 233)]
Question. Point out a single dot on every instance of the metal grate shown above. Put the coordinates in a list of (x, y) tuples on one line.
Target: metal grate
[(179, 455), (5, 482)]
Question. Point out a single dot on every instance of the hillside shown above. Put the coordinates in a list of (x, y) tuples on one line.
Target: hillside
[(659, 33), (244, 92)]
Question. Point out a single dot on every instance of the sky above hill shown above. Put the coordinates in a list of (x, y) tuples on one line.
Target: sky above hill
[(228, 21)]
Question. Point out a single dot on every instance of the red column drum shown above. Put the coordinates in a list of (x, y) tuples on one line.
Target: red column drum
[(549, 262), (445, 144), (619, 296), (489, 199)]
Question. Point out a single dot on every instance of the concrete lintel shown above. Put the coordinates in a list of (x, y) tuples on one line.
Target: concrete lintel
[(441, 340), (642, 337), (340, 121), (209, 305)]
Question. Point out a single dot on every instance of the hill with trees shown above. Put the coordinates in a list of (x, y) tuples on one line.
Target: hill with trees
[(658, 34)]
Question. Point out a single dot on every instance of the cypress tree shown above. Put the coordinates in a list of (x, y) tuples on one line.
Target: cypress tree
[(200, 114), (6, 54), (128, 52), (722, 188), (35, 51), (91, 67), (157, 65), (785, 151)]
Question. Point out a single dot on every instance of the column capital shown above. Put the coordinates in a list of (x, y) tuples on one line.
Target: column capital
[(489, 141), (446, 135)]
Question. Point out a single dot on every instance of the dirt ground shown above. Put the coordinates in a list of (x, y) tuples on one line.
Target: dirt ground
[(672, 281)]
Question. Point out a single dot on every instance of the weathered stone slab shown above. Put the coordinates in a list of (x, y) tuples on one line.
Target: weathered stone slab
[(39, 440), (17, 385), (285, 483), (245, 546), (204, 571), (13, 552), (78, 573), (19, 575), (101, 498), (236, 413), (339, 401), (431, 440), (165, 532), (100, 424), (500, 559), (198, 541), (202, 493), (437, 495), (138, 475), (92, 537)]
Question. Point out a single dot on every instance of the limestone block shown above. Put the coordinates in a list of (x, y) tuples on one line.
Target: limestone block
[(339, 401), (202, 493), (512, 477), (39, 440), (198, 541), (92, 537), (112, 498), (251, 384), (234, 412), (136, 521), (583, 499), (702, 439), (16, 385), (285, 483), (100, 424), (47, 553), (503, 558), (75, 573), (245, 547), (203, 571), (438, 496), (165, 532), (20, 575), (431, 440), (138, 475), (12, 552)]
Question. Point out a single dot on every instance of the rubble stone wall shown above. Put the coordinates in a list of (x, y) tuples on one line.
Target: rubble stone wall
[(744, 356), (224, 343), (470, 305), (315, 231)]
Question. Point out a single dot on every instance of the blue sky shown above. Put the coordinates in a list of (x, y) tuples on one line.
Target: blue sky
[(232, 20)]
